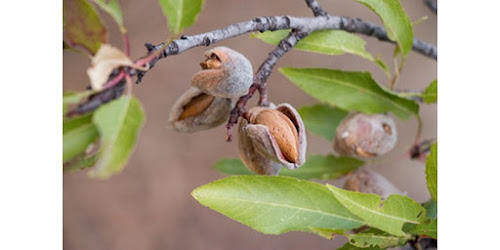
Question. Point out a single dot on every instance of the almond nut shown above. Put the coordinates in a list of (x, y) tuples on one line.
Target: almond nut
[(196, 106), (283, 131)]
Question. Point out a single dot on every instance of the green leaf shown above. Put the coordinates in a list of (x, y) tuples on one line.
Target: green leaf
[(353, 91), (389, 216), (276, 204), (430, 93), (369, 238), (112, 7), (396, 22), (383, 66), (322, 119), (431, 172), (119, 123), (78, 134), (328, 42), (316, 167), (180, 13), (378, 239), (82, 25), (429, 229), (431, 207), (72, 97)]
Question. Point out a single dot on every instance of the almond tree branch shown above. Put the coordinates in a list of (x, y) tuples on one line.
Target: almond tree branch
[(272, 23), (321, 21)]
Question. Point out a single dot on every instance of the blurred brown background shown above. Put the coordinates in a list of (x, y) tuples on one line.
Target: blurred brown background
[(148, 205)]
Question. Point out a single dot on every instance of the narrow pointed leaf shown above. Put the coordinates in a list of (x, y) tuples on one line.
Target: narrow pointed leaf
[(180, 13), (396, 22), (119, 123), (353, 91), (78, 134), (112, 7), (430, 93), (322, 119), (82, 25), (316, 167), (389, 216), (276, 204), (431, 172)]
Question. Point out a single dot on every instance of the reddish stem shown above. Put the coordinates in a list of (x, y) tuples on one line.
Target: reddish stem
[(126, 43), (115, 80)]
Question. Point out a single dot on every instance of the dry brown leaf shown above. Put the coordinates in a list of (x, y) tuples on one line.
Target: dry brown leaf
[(104, 62)]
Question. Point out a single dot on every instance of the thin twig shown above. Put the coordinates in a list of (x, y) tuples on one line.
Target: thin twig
[(316, 8), (261, 76)]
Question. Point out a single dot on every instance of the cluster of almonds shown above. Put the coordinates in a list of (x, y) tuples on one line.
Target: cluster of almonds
[(269, 138)]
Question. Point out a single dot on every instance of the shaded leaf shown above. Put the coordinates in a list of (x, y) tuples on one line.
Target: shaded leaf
[(322, 119), (431, 172), (78, 134), (232, 167), (353, 91), (382, 240), (348, 246), (316, 167), (368, 238), (112, 7), (431, 207), (428, 228), (430, 93), (396, 22), (104, 62), (276, 204), (389, 215), (180, 13), (82, 25), (119, 123), (79, 163)]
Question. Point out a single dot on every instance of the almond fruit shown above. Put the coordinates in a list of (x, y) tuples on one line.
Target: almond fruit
[(225, 73)]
